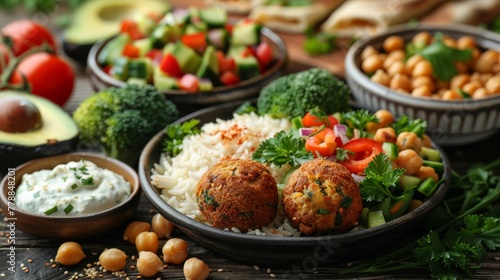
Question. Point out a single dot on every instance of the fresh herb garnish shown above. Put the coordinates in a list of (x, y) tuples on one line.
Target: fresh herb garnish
[(380, 179), (87, 181), (284, 148), (51, 210), (319, 43), (210, 200), (404, 123), (358, 119), (74, 186), (323, 211), (342, 154), (175, 133), (68, 208), (245, 108)]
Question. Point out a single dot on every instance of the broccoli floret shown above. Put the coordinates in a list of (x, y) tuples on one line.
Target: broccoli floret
[(122, 120), (295, 94)]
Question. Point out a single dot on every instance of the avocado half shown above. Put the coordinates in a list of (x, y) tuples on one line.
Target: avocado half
[(57, 134), (96, 20)]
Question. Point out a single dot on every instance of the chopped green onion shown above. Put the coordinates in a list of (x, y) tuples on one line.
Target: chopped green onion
[(68, 208), (74, 186), (88, 181), (51, 210)]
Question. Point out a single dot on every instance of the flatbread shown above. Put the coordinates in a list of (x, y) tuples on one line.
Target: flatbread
[(293, 19), (356, 18), (471, 12), (232, 6)]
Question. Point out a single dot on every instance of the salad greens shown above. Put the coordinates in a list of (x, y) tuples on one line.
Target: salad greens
[(380, 179), (175, 133)]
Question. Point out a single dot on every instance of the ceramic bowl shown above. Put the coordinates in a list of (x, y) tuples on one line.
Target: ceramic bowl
[(275, 250), (71, 227), (449, 122), (244, 89)]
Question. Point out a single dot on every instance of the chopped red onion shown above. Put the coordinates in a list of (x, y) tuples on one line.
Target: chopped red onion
[(306, 131), (340, 130), (357, 178)]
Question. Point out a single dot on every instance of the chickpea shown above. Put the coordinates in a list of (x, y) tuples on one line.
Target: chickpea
[(458, 81), (397, 55), (369, 50), (372, 64), (161, 226), (393, 43), (397, 67), (381, 77), (409, 160), (113, 259), (147, 241), (421, 91), (412, 62), (384, 117), (423, 37), (476, 76), (133, 229), (385, 134), (466, 42), (427, 172), (480, 93), (422, 68), (426, 141), (195, 269), (452, 94), (493, 84), (471, 86), (423, 81), (175, 251), (486, 61), (149, 264), (69, 253), (450, 42), (409, 140), (400, 82)]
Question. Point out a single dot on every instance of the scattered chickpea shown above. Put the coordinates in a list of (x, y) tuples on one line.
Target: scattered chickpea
[(486, 61), (385, 134), (195, 269), (133, 229), (397, 67), (161, 226), (149, 264), (421, 91), (419, 81), (412, 61), (493, 84), (423, 37), (458, 81), (381, 77), (175, 251), (69, 253), (480, 93), (394, 56), (372, 63), (409, 140), (409, 160), (422, 68), (471, 86), (147, 241), (400, 82), (427, 172), (466, 42), (113, 259), (452, 94), (369, 50), (426, 141), (393, 43)]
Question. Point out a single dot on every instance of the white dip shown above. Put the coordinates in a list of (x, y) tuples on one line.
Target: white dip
[(71, 189)]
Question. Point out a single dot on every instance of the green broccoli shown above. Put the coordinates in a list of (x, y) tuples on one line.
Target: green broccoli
[(295, 94), (122, 120)]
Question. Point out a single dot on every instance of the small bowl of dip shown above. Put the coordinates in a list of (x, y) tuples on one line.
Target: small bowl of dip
[(69, 196)]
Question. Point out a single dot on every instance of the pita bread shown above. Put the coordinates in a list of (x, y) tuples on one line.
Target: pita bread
[(465, 11), (232, 6), (293, 19), (358, 18)]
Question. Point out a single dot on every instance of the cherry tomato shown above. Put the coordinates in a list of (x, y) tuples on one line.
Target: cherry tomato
[(229, 78), (310, 120), (322, 142), (195, 41), (189, 83), (364, 149), (48, 75), (169, 65), (264, 55), (225, 63), (130, 51), (26, 34)]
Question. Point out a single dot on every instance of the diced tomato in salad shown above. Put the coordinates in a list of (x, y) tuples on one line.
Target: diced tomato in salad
[(360, 152), (131, 28), (189, 83), (169, 65), (322, 142)]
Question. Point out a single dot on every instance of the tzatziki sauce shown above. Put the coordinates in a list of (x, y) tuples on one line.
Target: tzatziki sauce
[(75, 188)]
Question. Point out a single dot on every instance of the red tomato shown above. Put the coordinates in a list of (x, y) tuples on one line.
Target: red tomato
[(26, 34), (225, 63), (364, 149), (322, 142), (48, 75), (129, 26), (309, 120), (170, 66), (196, 41), (130, 51), (229, 78), (264, 54), (189, 83)]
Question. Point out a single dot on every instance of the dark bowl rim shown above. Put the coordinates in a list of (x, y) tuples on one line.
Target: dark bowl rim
[(136, 188), (280, 62), (354, 73), (196, 227)]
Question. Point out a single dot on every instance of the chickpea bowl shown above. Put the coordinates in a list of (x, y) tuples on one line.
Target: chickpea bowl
[(85, 212), (447, 75)]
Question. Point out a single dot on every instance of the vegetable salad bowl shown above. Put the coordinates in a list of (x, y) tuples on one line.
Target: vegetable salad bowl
[(75, 226), (450, 122), (301, 251)]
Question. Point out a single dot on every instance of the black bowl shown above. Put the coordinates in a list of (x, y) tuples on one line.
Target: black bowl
[(274, 250)]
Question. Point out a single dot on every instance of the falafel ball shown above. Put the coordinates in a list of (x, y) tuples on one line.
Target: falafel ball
[(321, 197), (238, 193)]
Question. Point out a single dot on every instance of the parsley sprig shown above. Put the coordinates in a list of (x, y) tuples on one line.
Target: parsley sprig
[(358, 119), (404, 123), (175, 133), (284, 148)]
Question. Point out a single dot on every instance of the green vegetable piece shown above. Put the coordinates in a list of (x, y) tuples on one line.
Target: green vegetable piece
[(399, 207), (391, 150), (438, 166), (51, 210), (427, 187), (383, 206), (404, 123), (409, 181), (319, 43), (375, 218), (358, 119), (68, 209), (430, 154), (245, 108), (175, 134)]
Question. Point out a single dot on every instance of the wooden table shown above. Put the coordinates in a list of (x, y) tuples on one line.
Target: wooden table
[(33, 255)]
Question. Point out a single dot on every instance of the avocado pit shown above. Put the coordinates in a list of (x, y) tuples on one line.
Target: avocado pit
[(18, 115)]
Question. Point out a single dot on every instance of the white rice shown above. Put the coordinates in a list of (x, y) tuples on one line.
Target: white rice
[(239, 137)]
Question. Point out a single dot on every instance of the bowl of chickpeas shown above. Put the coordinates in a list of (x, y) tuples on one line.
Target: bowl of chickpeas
[(448, 75)]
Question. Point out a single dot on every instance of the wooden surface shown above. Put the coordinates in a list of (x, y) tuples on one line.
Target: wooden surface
[(33, 255)]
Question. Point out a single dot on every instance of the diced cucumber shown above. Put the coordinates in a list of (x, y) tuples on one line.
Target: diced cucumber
[(189, 61), (430, 154), (145, 24), (427, 187), (214, 16), (197, 27), (363, 220), (177, 18), (438, 166), (206, 84), (168, 48), (209, 67), (164, 82), (141, 68), (409, 181), (164, 34), (120, 68), (297, 122), (246, 34), (375, 218), (247, 67), (144, 45), (136, 81), (391, 150), (113, 49), (383, 206), (400, 207)]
